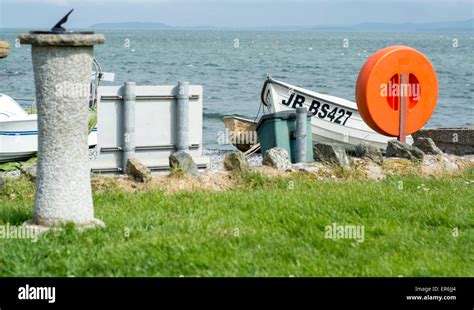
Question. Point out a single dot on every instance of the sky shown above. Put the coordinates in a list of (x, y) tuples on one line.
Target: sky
[(231, 13)]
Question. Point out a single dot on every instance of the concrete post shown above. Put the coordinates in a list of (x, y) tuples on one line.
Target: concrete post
[(301, 119), (129, 97), (182, 123), (62, 65)]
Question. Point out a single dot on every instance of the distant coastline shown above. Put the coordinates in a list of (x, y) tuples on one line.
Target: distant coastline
[(454, 26)]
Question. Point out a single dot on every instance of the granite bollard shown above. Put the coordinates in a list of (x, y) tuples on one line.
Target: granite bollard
[(62, 64)]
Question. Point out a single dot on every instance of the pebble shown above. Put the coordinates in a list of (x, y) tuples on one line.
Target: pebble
[(217, 159), (11, 174), (93, 152)]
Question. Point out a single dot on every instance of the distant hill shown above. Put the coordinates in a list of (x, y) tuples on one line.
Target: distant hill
[(466, 25), (462, 26), (132, 25)]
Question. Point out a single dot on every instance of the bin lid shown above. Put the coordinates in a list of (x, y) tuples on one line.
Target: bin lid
[(283, 115)]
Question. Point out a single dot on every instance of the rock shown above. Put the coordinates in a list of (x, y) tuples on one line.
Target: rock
[(4, 49), (311, 168), (29, 169), (399, 149), (138, 171), (2, 183), (457, 141), (365, 150), (369, 168), (236, 162), (277, 158), (94, 152), (331, 154), (183, 162), (436, 165), (400, 166), (10, 174), (427, 146)]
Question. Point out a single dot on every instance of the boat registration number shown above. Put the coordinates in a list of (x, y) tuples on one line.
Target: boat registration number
[(321, 110)]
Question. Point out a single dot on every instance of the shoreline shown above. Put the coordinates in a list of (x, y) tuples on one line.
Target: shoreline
[(216, 178)]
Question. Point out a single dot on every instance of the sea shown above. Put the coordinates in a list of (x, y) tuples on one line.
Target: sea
[(233, 65)]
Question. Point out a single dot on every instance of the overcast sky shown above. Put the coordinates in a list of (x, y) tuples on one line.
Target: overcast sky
[(231, 13)]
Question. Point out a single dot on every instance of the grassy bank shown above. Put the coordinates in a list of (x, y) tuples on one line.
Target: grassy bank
[(264, 227)]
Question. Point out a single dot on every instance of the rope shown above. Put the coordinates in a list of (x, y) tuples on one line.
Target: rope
[(258, 113)]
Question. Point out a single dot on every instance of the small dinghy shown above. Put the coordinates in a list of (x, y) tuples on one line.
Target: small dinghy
[(335, 120), (241, 132), (4, 49), (19, 132)]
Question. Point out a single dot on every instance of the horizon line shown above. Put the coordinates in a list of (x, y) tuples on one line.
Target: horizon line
[(270, 27)]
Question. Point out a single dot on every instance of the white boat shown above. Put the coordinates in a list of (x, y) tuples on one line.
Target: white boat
[(19, 131), (335, 120)]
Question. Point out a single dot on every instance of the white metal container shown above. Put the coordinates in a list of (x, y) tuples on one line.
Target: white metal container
[(155, 127)]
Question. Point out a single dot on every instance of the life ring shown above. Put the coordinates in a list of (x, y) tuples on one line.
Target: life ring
[(379, 89)]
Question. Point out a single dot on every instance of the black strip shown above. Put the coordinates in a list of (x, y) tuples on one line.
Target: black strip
[(312, 293)]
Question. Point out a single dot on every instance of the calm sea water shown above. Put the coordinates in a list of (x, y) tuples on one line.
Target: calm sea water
[(233, 77)]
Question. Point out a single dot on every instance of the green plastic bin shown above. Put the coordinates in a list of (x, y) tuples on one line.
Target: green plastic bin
[(276, 130)]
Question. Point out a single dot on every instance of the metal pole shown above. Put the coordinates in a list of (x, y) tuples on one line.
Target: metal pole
[(182, 123), (404, 80), (301, 119), (129, 97)]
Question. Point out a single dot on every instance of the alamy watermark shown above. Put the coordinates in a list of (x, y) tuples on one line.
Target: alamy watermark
[(390, 89), (28, 292), (237, 137), (72, 90), (18, 232), (336, 231)]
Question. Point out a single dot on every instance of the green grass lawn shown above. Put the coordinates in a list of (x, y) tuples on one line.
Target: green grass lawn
[(265, 227)]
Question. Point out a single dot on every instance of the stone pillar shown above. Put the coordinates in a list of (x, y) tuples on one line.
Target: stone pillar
[(62, 65)]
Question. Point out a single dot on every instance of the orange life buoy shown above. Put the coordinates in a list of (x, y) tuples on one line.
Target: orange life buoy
[(379, 89)]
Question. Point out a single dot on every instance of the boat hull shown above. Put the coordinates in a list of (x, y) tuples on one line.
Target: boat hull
[(335, 120), (241, 132), (19, 139)]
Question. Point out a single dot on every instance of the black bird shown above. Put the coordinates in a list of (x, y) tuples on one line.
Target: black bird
[(58, 27)]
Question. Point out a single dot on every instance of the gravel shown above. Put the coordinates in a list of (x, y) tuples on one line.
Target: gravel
[(11, 174), (217, 159), (93, 152)]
